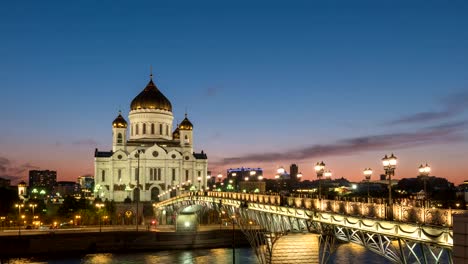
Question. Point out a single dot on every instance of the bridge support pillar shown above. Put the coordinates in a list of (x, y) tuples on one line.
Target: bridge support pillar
[(460, 238), (296, 248)]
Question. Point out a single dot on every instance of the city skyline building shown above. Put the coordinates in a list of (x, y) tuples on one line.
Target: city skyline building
[(293, 171), (148, 156), (42, 181)]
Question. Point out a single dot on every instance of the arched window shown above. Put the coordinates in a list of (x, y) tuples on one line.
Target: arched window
[(119, 138), (152, 129), (144, 129), (160, 129), (136, 129), (119, 175), (167, 130), (103, 175)]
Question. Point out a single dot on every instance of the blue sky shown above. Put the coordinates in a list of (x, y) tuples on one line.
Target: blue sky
[(257, 79)]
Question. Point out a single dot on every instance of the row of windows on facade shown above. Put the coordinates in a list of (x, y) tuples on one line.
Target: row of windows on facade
[(155, 174), (120, 139), (135, 130)]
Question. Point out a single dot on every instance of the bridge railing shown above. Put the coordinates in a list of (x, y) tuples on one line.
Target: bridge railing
[(401, 213)]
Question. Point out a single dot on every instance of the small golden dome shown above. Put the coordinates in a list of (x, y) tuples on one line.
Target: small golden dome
[(176, 133), (119, 122), (186, 124), (151, 98)]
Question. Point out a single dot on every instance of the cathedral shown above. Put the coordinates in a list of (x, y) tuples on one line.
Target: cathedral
[(148, 156)]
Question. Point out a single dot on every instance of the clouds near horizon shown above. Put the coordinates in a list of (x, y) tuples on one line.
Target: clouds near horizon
[(452, 105), (10, 170), (444, 133)]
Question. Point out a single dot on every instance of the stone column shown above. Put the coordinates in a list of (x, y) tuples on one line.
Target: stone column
[(460, 238)]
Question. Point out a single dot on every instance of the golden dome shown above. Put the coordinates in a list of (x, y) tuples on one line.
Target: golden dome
[(176, 133), (119, 122), (186, 124), (151, 98)]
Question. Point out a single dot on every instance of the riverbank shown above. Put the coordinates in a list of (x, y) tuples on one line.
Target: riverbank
[(85, 242)]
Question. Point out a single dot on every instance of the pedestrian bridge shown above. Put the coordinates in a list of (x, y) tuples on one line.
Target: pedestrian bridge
[(416, 235)]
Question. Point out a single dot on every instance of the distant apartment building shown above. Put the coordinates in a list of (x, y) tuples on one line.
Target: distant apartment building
[(67, 188), (293, 171), (245, 180), (87, 185), (240, 174), (42, 182)]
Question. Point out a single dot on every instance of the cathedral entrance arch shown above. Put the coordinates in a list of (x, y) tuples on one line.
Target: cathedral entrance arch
[(136, 194), (155, 194)]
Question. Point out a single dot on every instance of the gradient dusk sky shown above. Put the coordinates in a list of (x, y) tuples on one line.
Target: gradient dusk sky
[(265, 84)]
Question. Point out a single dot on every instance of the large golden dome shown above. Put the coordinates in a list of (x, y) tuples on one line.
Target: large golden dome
[(151, 98), (119, 122)]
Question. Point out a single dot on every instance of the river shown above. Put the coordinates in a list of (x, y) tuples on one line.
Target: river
[(345, 254)]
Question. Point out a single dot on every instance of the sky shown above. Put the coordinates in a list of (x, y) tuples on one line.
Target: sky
[(266, 84)]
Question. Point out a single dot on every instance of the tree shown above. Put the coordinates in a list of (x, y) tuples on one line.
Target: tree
[(8, 197), (68, 208)]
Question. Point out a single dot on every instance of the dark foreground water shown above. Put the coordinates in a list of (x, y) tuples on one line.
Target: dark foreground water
[(345, 254)]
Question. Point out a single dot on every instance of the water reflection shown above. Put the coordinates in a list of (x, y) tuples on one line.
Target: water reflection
[(352, 253), (345, 254)]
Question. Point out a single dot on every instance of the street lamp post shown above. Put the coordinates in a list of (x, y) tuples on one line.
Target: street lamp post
[(319, 169), (3, 222), (77, 220), (424, 171), (33, 206), (19, 206), (389, 164), (367, 175), (233, 240), (99, 206), (137, 197)]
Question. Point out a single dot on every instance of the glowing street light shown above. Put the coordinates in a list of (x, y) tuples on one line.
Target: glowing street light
[(424, 171), (33, 206), (299, 175), (319, 169), (99, 206), (19, 206), (367, 176), (389, 164), (77, 219)]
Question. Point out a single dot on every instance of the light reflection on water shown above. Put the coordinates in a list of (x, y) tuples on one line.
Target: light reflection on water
[(353, 253), (345, 254)]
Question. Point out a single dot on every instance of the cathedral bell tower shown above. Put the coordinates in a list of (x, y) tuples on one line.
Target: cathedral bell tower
[(119, 133), (186, 133)]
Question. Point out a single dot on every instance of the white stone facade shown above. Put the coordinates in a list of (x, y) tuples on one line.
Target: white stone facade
[(149, 160)]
